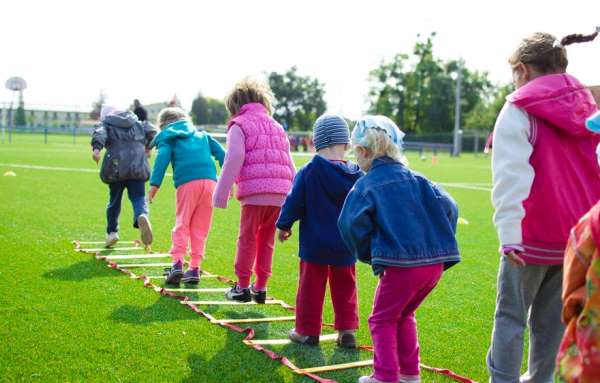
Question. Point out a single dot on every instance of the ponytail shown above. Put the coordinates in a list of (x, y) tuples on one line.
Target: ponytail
[(579, 38)]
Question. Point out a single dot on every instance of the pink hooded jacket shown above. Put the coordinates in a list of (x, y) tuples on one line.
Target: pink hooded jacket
[(566, 176)]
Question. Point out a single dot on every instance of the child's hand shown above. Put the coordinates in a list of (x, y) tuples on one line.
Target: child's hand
[(512, 253), (283, 235), (96, 155), (152, 193)]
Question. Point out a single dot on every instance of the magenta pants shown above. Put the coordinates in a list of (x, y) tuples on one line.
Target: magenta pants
[(255, 245), (311, 294), (193, 219), (392, 323)]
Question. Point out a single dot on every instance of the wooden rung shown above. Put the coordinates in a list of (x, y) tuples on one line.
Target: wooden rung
[(208, 276), (133, 256), (334, 367), (128, 265), (269, 302), (110, 249), (254, 320), (206, 290), (322, 338), (103, 242)]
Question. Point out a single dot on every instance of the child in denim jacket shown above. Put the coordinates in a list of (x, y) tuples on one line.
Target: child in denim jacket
[(404, 227)]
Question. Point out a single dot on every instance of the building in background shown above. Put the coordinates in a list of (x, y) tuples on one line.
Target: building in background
[(596, 92), (50, 116)]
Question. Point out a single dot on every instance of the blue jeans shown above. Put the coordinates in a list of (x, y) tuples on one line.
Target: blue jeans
[(136, 191)]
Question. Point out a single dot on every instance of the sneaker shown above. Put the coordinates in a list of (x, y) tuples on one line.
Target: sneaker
[(346, 339), (237, 294), (258, 296), (111, 239), (174, 274), (409, 379), (309, 340), (192, 276), (145, 229), (371, 379)]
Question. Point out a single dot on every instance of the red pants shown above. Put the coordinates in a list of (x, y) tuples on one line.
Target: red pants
[(311, 294), (255, 245)]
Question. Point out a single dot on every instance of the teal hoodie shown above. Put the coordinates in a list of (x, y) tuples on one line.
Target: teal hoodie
[(189, 151)]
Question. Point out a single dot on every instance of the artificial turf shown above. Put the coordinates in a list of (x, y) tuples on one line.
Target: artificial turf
[(67, 317)]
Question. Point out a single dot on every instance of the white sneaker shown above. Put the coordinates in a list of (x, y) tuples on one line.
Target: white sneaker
[(145, 229), (370, 379), (111, 239)]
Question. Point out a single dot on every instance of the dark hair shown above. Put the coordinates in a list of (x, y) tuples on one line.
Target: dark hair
[(545, 52)]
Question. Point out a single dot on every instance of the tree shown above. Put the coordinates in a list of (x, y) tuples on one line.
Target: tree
[(206, 110), (20, 118), (97, 106), (299, 100), (417, 90), (484, 114)]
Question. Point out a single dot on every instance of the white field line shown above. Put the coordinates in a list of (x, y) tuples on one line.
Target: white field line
[(469, 186)]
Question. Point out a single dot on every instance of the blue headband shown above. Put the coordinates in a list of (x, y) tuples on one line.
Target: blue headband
[(382, 123)]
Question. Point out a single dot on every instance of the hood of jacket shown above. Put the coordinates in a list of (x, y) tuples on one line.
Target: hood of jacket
[(177, 129), (336, 177), (121, 120)]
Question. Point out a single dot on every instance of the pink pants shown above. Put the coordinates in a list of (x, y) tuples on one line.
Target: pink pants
[(193, 219), (392, 322), (311, 293), (255, 245)]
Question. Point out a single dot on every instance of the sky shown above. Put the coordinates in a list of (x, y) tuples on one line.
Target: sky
[(68, 51)]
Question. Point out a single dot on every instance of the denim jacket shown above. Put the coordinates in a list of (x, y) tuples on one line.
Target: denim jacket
[(396, 217)]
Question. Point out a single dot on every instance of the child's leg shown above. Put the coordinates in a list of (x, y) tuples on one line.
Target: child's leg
[(136, 191), (201, 220), (184, 211), (309, 299), (545, 328), (246, 245), (397, 289), (114, 206), (265, 243), (517, 288), (342, 283), (425, 277)]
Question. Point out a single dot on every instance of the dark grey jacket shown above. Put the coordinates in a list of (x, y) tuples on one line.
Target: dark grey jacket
[(126, 140)]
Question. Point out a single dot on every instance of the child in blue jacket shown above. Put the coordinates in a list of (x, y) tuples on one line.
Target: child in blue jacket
[(404, 227), (316, 200)]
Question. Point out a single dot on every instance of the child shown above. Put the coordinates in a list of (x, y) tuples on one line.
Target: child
[(404, 226), (259, 161), (544, 179), (125, 166), (191, 154), (579, 354), (316, 199)]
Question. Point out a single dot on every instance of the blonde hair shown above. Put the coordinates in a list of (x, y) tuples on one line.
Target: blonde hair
[(170, 115), (247, 91), (378, 144)]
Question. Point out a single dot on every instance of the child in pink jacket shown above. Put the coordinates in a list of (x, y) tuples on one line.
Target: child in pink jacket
[(545, 177), (259, 162)]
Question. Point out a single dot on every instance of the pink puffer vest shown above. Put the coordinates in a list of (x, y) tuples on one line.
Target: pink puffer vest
[(267, 164), (567, 176)]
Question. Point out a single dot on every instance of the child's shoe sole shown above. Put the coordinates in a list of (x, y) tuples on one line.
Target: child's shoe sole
[(190, 280), (145, 229)]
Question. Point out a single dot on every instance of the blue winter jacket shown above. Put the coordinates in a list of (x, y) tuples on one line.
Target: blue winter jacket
[(396, 217), (316, 200), (189, 151)]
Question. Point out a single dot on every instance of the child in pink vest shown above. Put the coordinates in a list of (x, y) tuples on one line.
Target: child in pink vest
[(545, 178), (259, 162)]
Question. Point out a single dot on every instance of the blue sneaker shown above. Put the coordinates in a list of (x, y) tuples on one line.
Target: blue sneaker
[(174, 274), (192, 276)]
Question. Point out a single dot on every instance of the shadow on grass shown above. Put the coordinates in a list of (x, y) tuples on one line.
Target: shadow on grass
[(80, 271), (234, 363), (163, 310)]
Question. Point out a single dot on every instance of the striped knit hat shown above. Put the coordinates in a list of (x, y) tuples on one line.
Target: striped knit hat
[(330, 129)]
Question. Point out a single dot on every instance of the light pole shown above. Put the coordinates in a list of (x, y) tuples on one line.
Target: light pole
[(456, 148)]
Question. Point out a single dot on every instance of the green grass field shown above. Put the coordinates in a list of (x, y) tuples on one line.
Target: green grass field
[(67, 317)]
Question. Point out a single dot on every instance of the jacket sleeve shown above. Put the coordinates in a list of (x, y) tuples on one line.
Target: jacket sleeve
[(356, 225), (234, 160), (149, 131), (512, 173), (99, 137), (294, 206), (576, 263), (216, 150), (449, 205), (163, 158)]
